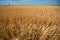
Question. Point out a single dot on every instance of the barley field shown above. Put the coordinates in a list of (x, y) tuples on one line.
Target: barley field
[(29, 22)]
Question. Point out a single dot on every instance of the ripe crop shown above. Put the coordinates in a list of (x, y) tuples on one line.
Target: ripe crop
[(30, 22)]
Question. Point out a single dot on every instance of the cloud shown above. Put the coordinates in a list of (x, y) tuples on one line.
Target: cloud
[(16, 0)]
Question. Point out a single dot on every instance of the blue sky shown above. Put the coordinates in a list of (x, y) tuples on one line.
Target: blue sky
[(30, 2)]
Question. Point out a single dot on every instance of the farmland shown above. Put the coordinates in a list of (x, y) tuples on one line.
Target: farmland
[(30, 22)]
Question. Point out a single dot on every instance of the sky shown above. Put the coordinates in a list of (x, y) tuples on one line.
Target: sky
[(29, 2)]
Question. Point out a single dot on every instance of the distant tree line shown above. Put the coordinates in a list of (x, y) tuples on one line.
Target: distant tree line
[(9, 5)]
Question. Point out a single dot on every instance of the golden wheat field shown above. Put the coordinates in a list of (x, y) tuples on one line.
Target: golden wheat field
[(29, 22)]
